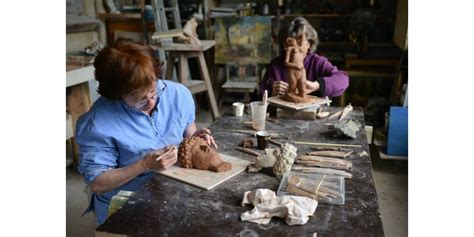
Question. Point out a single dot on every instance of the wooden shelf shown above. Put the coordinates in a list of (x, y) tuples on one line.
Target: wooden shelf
[(120, 16), (317, 15), (384, 156), (347, 43), (338, 44)]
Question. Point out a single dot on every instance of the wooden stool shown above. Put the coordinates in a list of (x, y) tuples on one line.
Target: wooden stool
[(182, 52), (78, 101)]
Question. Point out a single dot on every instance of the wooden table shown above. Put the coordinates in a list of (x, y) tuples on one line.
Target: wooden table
[(165, 207)]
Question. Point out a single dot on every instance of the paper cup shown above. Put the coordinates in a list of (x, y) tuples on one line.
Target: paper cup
[(238, 109)]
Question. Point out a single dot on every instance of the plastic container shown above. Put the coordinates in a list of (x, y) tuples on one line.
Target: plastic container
[(259, 115), (322, 188)]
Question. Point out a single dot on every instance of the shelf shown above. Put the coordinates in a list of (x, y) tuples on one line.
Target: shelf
[(122, 17), (338, 44), (79, 76), (347, 43), (295, 15), (317, 15), (384, 156)]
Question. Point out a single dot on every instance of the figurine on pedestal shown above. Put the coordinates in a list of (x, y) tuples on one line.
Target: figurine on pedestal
[(294, 61)]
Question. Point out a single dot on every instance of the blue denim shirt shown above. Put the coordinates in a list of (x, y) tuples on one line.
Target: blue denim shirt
[(114, 135)]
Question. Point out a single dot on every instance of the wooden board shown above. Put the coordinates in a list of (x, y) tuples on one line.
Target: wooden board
[(78, 76), (291, 114), (205, 45), (206, 179), (167, 34), (278, 102)]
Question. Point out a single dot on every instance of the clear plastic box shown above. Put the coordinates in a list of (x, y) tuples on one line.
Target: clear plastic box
[(322, 188)]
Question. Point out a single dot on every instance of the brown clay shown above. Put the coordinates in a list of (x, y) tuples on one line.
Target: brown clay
[(247, 143), (195, 153), (294, 62)]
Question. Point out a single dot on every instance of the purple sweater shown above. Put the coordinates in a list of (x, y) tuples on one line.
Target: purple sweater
[(332, 81)]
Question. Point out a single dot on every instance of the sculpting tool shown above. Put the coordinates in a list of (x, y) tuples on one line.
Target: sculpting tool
[(248, 151), (166, 152), (327, 144), (265, 97)]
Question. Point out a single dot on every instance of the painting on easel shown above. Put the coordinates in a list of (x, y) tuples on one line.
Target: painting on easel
[(243, 40)]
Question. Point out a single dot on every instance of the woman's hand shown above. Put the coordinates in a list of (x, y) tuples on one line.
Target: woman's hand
[(311, 86), (160, 159), (205, 134), (279, 88)]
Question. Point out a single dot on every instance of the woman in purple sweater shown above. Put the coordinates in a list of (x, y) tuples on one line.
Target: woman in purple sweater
[(323, 79)]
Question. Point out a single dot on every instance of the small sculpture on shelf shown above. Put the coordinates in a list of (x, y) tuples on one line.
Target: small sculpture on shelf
[(189, 32), (195, 153)]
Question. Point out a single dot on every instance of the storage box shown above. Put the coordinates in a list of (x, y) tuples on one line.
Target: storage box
[(397, 141), (322, 188)]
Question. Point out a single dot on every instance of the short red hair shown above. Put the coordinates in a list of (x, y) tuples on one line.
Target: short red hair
[(124, 68)]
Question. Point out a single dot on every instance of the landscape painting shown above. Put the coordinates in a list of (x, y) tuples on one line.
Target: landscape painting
[(243, 40)]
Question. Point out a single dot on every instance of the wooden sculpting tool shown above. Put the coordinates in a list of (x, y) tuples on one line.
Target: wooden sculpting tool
[(273, 120), (275, 142), (336, 114), (265, 97), (273, 135), (346, 111), (324, 162), (326, 144), (166, 152), (337, 154), (317, 170), (313, 189), (342, 113), (331, 149), (321, 113), (268, 119), (248, 151)]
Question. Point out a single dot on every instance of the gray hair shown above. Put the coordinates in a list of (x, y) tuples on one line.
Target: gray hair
[(296, 28)]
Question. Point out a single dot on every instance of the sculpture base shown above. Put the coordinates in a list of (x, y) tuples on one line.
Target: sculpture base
[(278, 102), (298, 99)]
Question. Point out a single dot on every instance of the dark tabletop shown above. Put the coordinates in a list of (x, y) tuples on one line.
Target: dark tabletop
[(166, 207)]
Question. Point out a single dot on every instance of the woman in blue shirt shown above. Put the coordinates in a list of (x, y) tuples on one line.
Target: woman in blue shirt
[(137, 120)]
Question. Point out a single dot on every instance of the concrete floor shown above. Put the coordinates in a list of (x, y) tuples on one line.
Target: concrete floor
[(391, 180)]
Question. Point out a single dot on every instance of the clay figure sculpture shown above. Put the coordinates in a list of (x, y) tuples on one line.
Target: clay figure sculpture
[(195, 153), (189, 32), (294, 61)]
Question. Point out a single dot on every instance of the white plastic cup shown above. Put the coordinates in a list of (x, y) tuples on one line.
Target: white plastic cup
[(259, 115), (238, 109)]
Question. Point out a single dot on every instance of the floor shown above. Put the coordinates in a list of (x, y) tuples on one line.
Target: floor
[(391, 180)]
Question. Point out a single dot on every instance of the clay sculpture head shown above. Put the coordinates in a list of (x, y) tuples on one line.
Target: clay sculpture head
[(195, 153)]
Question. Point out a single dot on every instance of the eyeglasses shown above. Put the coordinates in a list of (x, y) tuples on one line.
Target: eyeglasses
[(139, 105)]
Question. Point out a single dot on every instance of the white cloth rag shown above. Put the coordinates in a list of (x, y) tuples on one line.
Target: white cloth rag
[(295, 209)]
